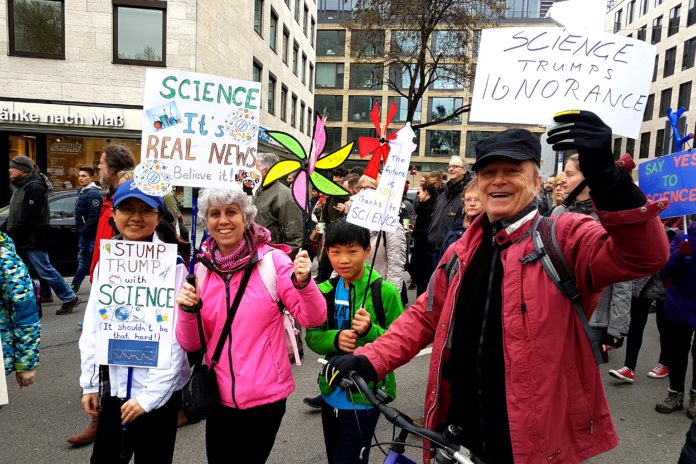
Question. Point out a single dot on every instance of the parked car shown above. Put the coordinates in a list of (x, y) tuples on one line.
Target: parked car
[(64, 247)]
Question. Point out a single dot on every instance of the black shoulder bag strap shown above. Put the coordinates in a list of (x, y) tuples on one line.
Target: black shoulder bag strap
[(232, 310)]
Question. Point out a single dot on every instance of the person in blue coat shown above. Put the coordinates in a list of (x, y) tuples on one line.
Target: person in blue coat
[(87, 210)]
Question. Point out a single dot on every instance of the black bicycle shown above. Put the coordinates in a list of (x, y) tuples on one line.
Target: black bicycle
[(445, 446)]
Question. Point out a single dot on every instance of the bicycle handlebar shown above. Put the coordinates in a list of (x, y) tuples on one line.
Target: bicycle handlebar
[(441, 441)]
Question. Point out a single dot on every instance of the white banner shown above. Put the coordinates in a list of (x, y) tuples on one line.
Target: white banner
[(379, 209), (135, 310), (527, 74), (204, 128)]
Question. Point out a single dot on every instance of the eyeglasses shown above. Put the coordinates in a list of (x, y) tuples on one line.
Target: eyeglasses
[(128, 211)]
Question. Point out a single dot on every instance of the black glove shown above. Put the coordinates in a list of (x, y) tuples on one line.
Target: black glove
[(616, 342), (339, 366), (585, 132)]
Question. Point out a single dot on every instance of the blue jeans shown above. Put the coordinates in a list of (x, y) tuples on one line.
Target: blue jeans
[(42, 265), (84, 259)]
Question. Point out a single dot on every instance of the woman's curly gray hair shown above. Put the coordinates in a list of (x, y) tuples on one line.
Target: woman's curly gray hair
[(222, 197)]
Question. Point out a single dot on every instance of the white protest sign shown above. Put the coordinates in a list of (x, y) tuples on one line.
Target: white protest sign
[(527, 74), (135, 310), (379, 209), (3, 384), (204, 128)]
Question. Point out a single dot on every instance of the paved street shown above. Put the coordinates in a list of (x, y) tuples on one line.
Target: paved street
[(38, 419)]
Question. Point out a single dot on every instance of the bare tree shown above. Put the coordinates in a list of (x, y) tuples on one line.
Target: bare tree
[(430, 43)]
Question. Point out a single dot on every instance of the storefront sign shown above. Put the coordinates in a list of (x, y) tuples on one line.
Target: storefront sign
[(203, 127), (135, 310), (73, 119)]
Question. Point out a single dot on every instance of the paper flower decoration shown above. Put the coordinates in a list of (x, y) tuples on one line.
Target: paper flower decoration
[(307, 165), (379, 147)]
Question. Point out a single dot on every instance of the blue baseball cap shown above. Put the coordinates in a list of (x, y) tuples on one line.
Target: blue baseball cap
[(129, 190)]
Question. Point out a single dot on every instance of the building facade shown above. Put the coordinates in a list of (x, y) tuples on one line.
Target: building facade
[(348, 85), (72, 73), (670, 26)]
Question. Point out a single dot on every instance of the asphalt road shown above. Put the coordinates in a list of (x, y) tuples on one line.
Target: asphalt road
[(36, 422)]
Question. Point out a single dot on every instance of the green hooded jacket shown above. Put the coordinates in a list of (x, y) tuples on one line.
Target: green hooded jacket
[(323, 340)]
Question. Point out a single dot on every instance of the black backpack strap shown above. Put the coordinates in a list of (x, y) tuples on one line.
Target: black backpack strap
[(376, 290), (451, 269), (547, 249), (230, 315)]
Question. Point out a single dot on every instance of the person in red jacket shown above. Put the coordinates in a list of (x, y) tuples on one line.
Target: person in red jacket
[(511, 363)]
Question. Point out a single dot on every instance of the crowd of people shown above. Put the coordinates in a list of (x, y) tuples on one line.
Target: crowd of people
[(486, 301)]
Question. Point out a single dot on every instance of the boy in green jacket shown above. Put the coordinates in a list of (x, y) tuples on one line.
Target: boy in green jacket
[(348, 419)]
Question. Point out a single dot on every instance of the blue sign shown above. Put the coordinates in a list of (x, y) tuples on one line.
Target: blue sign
[(672, 178)]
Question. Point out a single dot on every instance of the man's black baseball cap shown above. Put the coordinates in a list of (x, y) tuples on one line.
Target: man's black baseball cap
[(517, 144)]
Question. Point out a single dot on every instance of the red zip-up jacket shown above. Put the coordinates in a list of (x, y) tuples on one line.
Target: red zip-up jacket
[(556, 405)]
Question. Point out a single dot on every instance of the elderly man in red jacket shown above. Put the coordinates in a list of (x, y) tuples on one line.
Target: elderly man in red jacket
[(511, 364)]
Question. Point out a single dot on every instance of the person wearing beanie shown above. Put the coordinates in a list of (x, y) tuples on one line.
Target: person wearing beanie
[(28, 226)]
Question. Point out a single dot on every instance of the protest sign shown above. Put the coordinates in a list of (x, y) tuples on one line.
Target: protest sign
[(135, 310), (204, 128), (527, 74), (379, 209), (673, 178)]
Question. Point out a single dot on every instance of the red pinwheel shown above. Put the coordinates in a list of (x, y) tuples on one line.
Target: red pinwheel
[(379, 147)]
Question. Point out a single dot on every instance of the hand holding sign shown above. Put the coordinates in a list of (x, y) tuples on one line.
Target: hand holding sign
[(585, 132)]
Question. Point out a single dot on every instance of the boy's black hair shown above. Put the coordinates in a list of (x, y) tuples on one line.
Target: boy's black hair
[(344, 233)]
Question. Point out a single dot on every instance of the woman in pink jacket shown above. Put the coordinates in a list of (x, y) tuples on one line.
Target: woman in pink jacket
[(253, 373)]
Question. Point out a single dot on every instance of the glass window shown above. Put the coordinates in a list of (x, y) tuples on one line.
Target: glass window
[(309, 121), (284, 103), (302, 113), (670, 61), (689, 54), (140, 34), (333, 139), (649, 107), (665, 102), (449, 43), (642, 33), (331, 42), (441, 107), (657, 61), (449, 77), (293, 111), (643, 7), (617, 21), (330, 105), (656, 30), (297, 11), (295, 57), (359, 107), (367, 43), (271, 93), (684, 96), (630, 11), (256, 71), (366, 75), (304, 68), (472, 138), (311, 77), (691, 14), (617, 148), (258, 17), (475, 42), (273, 31), (405, 43), (355, 132), (400, 76), (329, 76), (402, 109), (674, 18), (644, 149), (522, 8), (660, 142), (286, 44), (312, 31), (37, 28), (631, 146), (305, 20), (442, 143)]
